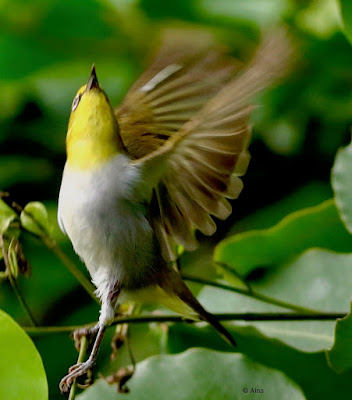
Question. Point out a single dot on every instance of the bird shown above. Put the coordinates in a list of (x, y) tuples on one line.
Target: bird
[(141, 179)]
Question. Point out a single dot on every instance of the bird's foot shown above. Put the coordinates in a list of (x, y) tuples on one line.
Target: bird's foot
[(76, 371), (88, 332)]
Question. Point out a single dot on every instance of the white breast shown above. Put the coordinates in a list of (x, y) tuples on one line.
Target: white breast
[(102, 213)]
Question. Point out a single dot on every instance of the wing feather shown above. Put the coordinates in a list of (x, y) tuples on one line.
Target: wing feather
[(190, 118)]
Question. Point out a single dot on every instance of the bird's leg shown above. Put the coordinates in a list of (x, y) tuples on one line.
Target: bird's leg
[(82, 368), (106, 317), (87, 331)]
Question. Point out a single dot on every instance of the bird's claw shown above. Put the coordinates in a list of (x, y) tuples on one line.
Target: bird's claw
[(75, 371), (88, 332)]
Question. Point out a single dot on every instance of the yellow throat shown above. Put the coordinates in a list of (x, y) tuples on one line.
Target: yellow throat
[(93, 133)]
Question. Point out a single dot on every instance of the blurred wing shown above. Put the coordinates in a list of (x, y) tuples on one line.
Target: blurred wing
[(182, 78), (198, 168)]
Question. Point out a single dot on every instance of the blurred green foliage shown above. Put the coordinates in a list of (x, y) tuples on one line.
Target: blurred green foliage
[(47, 50)]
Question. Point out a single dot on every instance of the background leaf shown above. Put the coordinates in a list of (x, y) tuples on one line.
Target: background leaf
[(341, 182), (302, 368), (317, 279), (22, 374), (200, 374), (340, 355), (346, 12), (318, 226)]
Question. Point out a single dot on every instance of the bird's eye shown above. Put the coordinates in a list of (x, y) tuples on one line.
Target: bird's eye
[(75, 102)]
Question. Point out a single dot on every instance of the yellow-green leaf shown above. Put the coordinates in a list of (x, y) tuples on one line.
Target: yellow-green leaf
[(7, 215), (34, 218), (342, 184), (22, 374), (200, 374), (340, 355), (318, 226)]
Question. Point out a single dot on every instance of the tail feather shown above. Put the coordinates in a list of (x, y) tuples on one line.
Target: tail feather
[(172, 283)]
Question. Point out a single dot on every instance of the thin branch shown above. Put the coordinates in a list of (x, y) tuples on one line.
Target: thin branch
[(81, 355), (14, 285), (251, 293), (327, 316)]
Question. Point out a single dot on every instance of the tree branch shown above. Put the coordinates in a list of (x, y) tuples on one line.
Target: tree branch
[(325, 316)]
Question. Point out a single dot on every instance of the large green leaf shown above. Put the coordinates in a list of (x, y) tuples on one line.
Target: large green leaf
[(318, 226), (22, 374), (309, 370), (346, 12), (342, 184), (340, 355), (308, 195), (318, 279), (200, 374)]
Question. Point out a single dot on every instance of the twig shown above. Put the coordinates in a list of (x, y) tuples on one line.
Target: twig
[(251, 293), (14, 285), (327, 316), (81, 355)]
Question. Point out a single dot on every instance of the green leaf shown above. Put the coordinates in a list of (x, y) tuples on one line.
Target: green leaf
[(302, 368), (317, 279), (308, 195), (342, 184), (346, 13), (22, 374), (340, 355), (7, 215), (318, 226), (200, 374), (34, 218)]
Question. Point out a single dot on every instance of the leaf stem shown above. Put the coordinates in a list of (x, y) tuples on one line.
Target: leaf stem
[(53, 246), (254, 294)]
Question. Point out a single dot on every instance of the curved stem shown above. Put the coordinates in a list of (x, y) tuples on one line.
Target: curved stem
[(251, 293)]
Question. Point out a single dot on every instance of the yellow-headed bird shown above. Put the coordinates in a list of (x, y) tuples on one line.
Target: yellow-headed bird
[(140, 179)]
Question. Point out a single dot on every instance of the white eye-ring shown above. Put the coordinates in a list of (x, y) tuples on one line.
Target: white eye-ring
[(75, 102)]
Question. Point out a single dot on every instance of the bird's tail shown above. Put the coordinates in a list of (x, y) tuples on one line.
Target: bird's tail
[(172, 283)]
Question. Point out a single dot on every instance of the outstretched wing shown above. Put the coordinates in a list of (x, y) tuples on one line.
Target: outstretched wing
[(182, 78), (187, 127)]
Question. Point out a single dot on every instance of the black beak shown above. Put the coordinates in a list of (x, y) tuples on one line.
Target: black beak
[(92, 80)]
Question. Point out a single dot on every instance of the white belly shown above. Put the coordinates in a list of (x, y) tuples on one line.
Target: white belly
[(105, 220)]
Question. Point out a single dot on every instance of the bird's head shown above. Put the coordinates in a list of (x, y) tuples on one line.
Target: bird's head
[(93, 132)]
